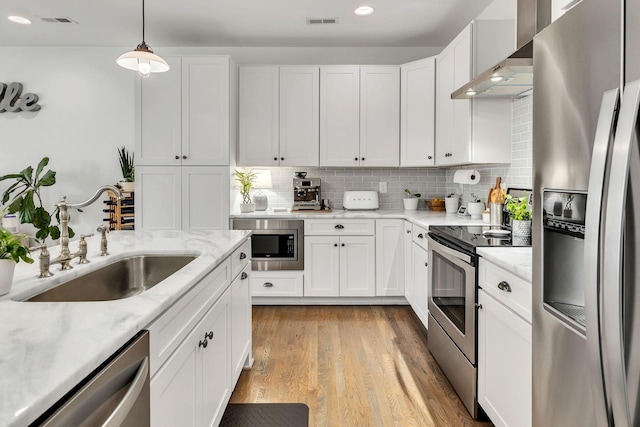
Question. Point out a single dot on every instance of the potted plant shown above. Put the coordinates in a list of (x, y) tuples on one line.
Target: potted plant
[(23, 195), (520, 215), (475, 207), (411, 200), (12, 251), (451, 203), (245, 184), (128, 170)]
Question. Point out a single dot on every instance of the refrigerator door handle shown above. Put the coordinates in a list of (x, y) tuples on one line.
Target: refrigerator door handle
[(593, 251), (612, 297)]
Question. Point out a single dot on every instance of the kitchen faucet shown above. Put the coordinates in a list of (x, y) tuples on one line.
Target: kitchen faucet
[(65, 257)]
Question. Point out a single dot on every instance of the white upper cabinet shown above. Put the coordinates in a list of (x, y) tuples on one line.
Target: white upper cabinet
[(184, 114), (258, 89), (478, 130), (279, 118), (359, 116), (417, 113)]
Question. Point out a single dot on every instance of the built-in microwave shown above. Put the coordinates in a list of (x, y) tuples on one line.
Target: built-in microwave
[(276, 244)]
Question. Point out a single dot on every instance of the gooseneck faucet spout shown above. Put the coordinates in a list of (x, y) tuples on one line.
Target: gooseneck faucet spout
[(65, 257)]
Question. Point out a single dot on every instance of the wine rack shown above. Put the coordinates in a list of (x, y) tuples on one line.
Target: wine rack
[(121, 212)]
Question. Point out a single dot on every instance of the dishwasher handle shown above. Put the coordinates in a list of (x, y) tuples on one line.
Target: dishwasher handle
[(119, 415)]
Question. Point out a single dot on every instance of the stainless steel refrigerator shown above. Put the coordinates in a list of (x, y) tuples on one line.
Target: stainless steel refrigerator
[(586, 176)]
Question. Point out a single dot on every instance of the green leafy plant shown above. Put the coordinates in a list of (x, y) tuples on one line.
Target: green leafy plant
[(126, 164), (11, 247), (410, 194), (245, 181), (517, 208), (23, 195)]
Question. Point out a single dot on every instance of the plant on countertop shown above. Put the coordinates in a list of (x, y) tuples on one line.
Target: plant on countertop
[(11, 247), (245, 181), (410, 194), (23, 194), (126, 164), (517, 208)]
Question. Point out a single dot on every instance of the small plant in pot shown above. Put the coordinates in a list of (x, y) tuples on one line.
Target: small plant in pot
[(12, 251), (128, 170), (519, 214), (411, 200), (245, 184), (475, 207)]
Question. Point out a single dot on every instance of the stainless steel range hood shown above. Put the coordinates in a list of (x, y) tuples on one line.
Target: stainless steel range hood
[(512, 77)]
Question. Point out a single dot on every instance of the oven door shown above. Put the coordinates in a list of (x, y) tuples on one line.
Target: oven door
[(452, 294)]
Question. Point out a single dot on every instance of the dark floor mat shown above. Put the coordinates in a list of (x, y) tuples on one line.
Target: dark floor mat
[(265, 415)]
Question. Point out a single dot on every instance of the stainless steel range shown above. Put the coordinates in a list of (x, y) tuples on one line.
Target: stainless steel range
[(453, 293)]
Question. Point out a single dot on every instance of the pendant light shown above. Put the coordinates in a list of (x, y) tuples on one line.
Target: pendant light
[(142, 59)]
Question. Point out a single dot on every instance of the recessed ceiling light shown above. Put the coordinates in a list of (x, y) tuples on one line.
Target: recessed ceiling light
[(497, 78), (19, 19), (364, 11)]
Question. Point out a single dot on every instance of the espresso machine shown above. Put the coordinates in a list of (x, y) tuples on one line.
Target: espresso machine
[(306, 194)]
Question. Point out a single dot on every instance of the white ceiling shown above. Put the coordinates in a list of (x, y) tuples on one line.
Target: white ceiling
[(401, 23)]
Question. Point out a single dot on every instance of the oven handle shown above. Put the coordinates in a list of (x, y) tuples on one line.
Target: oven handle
[(442, 247)]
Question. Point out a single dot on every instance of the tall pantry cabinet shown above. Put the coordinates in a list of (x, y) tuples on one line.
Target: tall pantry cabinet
[(183, 131)]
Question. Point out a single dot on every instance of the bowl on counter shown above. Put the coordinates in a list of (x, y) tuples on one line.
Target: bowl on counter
[(436, 204)]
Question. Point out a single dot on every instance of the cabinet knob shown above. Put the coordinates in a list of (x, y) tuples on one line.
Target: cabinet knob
[(429, 157), (243, 255), (268, 285), (177, 157), (275, 158), (335, 245), (184, 157), (479, 306), (208, 335), (408, 231), (281, 158), (420, 236), (339, 227), (203, 344), (342, 244), (426, 264), (356, 159), (504, 286), (362, 158), (244, 275)]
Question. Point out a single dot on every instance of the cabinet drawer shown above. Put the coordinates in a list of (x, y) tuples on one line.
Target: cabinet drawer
[(276, 284), (336, 227), (507, 288), (240, 258), (167, 331), (419, 236)]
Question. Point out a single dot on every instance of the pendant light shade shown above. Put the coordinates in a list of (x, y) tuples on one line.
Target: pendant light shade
[(142, 59)]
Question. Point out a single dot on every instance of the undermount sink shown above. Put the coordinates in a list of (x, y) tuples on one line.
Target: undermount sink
[(123, 279)]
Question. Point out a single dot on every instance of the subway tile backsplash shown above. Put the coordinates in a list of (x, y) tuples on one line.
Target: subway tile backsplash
[(429, 182)]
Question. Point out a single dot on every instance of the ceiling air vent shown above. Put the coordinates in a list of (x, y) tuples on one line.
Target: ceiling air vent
[(63, 20), (322, 20)]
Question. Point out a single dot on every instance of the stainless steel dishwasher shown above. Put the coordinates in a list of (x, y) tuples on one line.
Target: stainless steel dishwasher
[(116, 394)]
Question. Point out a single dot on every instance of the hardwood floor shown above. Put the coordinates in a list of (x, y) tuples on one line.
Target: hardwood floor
[(352, 365)]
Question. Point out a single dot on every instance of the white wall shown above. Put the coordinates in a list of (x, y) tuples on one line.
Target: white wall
[(87, 112)]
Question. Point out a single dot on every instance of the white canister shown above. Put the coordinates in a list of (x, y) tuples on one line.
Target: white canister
[(451, 204)]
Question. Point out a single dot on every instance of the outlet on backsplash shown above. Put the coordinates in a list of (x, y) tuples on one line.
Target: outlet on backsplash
[(383, 187)]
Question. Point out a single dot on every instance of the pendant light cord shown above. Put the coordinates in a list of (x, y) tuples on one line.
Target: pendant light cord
[(143, 22)]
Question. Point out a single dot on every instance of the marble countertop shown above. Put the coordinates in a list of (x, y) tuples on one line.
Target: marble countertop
[(516, 260), (47, 348)]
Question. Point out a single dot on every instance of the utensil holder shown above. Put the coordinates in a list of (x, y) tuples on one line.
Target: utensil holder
[(495, 213)]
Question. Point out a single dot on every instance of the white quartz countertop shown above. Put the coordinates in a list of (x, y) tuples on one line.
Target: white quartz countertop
[(516, 260), (47, 348)]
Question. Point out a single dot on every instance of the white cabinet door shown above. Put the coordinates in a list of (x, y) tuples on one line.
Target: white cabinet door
[(240, 322), (299, 116), (417, 113), (258, 116), (340, 116), (444, 106), (357, 266), (321, 266), (462, 53), (380, 116), (390, 257), (205, 198), (158, 198), (159, 132), (408, 263), (205, 110), (420, 283), (504, 364)]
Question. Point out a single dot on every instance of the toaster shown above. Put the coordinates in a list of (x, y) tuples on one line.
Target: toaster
[(360, 200)]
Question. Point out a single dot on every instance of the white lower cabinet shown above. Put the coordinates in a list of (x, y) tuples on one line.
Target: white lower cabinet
[(390, 257), (420, 299), (276, 283), (408, 262), (504, 349), (240, 321), (339, 266), (193, 386)]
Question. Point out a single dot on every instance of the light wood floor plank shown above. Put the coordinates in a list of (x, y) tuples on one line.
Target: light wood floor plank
[(353, 366)]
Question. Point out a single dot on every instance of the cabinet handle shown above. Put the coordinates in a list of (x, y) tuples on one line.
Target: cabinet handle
[(208, 335), (504, 286), (268, 285), (244, 275), (243, 255), (203, 343), (479, 306), (184, 157), (177, 157), (408, 231), (420, 236), (339, 227)]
